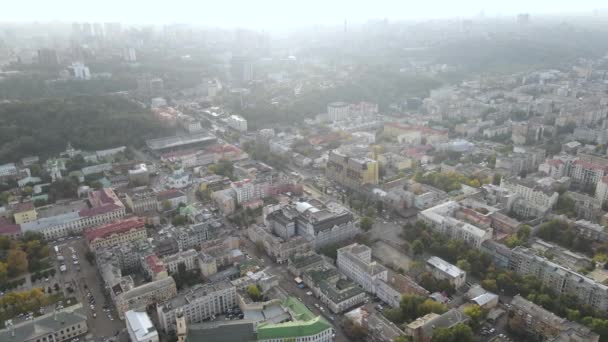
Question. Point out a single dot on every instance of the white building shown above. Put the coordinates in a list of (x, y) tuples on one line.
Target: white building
[(601, 190), (8, 170), (337, 111), (199, 303), (79, 71), (245, 190), (187, 258), (140, 327), (355, 261), (441, 219), (237, 122), (442, 269)]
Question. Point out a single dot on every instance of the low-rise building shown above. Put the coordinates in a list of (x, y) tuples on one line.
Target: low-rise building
[(442, 218), (187, 258), (355, 261), (197, 304), (115, 233), (332, 289), (545, 325), (101, 207), (560, 279), (172, 196), (442, 269), (303, 326), (24, 212), (140, 297), (423, 328), (140, 327), (391, 290), (61, 325)]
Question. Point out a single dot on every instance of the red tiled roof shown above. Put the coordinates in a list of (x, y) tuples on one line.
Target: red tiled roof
[(168, 194), (155, 264), (421, 129), (170, 155), (589, 165), (116, 227), (25, 206), (10, 229), (555, 162)]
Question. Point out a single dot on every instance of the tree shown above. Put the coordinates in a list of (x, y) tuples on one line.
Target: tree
[(458, 333), (489, 284), (5, 197), (402, 338), (355, 332), (476, 314), (431, 306), (254, 293), (366, 223), (27, 191), (513, 241), (179, 220), (379, 207), (17, 262), (3, 272), (417, 247), (90, 257), (524, 232), (464, 265)]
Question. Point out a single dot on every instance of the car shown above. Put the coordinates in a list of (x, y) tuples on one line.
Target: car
[(75, 262), (94, 315), (300, 299), (316, 305), (46, 279), (309, 293)]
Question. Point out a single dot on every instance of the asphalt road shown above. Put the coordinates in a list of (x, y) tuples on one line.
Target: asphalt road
[(88, 280)]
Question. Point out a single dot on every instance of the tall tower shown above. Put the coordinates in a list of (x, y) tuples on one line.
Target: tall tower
[(182, 328)]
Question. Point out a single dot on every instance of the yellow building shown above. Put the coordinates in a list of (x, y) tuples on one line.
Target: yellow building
[(25, 212), (351, 172)]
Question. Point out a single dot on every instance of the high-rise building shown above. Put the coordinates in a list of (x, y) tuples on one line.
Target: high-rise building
[(337, 111), (79, 71), (129, 55), (48, 58), (241, 69), (350, 171)]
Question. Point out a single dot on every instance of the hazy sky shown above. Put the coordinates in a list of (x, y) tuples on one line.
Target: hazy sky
[(271, 13)]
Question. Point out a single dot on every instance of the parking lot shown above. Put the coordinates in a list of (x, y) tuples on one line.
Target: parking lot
[(81, 280)]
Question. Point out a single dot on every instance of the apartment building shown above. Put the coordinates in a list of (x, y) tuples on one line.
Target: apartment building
[(332, 289), (278, 248), (140, 297), (545, 325), (198, 303), (58, 326), (355, 261), (140, 327), (140, 201), (172, 196), (350, 171), (237, 122), (188, 258), (441, 218), (101, 207), (441, 269), (391, 290), (115, 233), (536, 200), (560, 279)]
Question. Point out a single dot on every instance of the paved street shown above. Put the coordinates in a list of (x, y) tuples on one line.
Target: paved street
[(84, 278)]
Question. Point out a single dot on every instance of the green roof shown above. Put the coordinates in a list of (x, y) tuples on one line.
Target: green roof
[(304, 323)]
